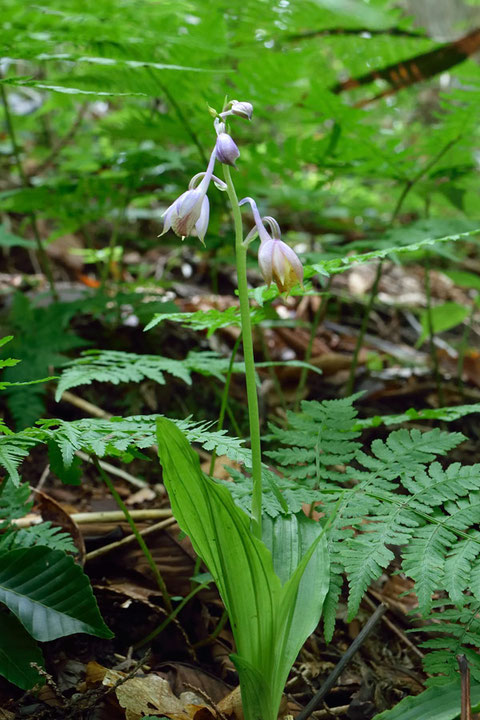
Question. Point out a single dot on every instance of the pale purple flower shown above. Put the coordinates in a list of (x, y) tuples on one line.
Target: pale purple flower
[(189, 213), (227, 150), (241, 109), (276, 259)]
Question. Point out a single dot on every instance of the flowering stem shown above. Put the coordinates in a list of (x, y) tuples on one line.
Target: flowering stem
[(241, 257)]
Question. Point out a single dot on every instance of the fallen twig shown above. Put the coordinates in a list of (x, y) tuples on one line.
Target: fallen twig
[(339, 667), (129, 539), (466, 708)]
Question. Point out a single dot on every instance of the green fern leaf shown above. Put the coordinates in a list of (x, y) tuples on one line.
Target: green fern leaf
[(118, 436), (12, 453), (42, 534), (119, 367)]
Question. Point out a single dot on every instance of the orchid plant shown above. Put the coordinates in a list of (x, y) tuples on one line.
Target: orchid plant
[(189, 215), (273, 575)]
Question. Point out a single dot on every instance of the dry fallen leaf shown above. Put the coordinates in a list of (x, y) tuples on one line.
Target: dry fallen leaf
[(149, 694)]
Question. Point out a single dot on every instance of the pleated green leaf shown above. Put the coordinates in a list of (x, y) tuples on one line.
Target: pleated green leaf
[(271, 616), (49, 594), (17, 651), (300, 559)]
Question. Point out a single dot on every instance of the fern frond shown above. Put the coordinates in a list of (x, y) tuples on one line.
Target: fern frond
[(292, 495), (13, 501), (457, 632), (405, 452), (119, 367), (13, 450), (330, 604), (368, 554), (424, 561), (393, 495), (118, 437), (209, 320), (321, 437), (41, 534), (458, 573)]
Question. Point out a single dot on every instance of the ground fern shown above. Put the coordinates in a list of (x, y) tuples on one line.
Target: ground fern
[(394, 493)]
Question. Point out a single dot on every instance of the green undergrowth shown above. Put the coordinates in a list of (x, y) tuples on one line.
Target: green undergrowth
[(399, 490)]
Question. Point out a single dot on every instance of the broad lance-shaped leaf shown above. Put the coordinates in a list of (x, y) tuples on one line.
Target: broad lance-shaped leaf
[(49, 593), (271, 616), (17, 651)]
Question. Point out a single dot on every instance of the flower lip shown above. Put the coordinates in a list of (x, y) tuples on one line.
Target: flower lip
[(202, 223)]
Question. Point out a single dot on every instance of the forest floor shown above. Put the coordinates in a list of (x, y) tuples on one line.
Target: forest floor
[(187, 664)]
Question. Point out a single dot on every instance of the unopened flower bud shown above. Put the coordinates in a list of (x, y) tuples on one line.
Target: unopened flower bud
[(242, 109), (226, 149)]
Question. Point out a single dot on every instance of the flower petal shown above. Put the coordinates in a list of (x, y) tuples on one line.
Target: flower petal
[(202, 223), (167, 219), (294, 261), (265, 259)]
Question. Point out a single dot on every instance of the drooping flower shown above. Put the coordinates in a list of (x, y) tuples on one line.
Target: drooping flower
[(241, 109), (276, 259), (189, 213)]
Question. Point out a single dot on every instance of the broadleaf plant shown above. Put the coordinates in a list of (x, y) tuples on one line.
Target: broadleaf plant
[(44, 593), (273, 589)]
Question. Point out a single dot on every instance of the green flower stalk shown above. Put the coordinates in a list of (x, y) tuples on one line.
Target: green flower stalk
[(241, 258), (189, 215)]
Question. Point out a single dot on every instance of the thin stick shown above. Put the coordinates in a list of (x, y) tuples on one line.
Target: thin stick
[(331, 712), (129, 539), (82, 404), (156, 572), (103, 516), (339, 667), (110, 516), (466, 707), (399, 633), (114, 470)]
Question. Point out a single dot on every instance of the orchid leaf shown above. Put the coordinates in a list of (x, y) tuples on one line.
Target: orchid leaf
[(271, 614)]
